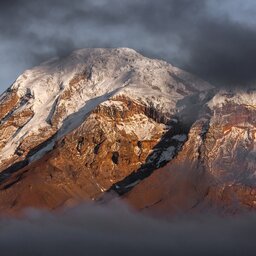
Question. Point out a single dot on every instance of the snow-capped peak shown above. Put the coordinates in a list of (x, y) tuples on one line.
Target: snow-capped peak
[(69, 88)]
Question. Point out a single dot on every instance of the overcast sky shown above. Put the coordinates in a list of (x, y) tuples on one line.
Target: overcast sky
[(215, 39)]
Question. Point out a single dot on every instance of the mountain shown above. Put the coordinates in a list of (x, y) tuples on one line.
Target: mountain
[(110, 120)]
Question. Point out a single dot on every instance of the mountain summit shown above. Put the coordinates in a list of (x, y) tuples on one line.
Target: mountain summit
[(102, 120)]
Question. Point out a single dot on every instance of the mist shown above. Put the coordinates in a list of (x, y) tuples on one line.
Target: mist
[(119, 230)]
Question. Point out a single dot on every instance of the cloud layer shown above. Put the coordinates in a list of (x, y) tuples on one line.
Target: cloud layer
[(213, 39), (116, 230)]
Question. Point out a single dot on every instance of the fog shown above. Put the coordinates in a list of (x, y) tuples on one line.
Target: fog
[(118, 230)]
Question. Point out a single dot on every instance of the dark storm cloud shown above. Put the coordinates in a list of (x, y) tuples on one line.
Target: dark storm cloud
[(213, 39), (117, 231), (223, 52)]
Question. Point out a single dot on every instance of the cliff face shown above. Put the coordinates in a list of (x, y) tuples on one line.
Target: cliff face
[(111, 119), (215, 169)]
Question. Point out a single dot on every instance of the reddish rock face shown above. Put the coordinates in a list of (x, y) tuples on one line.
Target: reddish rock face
[(103, 120), (89, 160), (173, 189), (8, 102), (214, 170)]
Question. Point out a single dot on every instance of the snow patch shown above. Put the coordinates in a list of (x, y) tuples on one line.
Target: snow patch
[(235, 97), (167, 154), (180, 137)]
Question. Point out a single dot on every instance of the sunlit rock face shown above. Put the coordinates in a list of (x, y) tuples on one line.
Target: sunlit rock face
[(215, 169), (104, 120)]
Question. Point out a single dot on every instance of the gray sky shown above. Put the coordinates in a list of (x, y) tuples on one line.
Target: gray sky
[(215, 39)]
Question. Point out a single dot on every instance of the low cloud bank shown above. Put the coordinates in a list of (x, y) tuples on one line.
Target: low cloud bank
[(117, 230)]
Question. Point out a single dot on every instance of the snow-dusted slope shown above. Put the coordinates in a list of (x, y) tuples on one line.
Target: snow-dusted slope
[(55, 97)]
